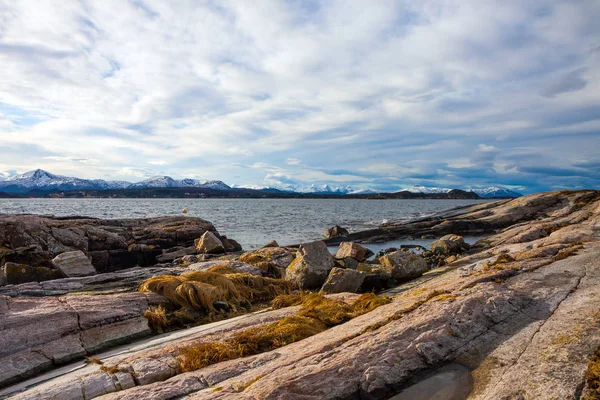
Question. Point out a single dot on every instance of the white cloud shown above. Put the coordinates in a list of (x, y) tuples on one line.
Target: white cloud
[(195, 88), (293, 161)]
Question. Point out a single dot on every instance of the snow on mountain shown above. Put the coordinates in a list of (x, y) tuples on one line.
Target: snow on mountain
[(423, 189), (253, 187), (156, 182), (43, 180), (168, 182), (495, 191), (363, 191)]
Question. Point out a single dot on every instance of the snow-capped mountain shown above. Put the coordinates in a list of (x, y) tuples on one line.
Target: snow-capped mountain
[(43, 180), (485, 192), (156, 182), (253, 187), (423, 189), (168, 182), (321, 189), (495, 191)]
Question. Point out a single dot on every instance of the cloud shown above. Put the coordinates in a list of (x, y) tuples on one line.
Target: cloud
[(570, 82), (387, 95)]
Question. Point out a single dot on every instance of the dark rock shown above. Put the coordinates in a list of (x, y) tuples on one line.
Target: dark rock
[(335, 231), (272, 243), (14, 274), (221, 306)]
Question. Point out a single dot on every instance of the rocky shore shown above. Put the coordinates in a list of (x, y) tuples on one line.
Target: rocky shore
[(166, 308)]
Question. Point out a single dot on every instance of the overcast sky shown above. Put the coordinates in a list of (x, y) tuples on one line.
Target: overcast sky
[(378, 94)]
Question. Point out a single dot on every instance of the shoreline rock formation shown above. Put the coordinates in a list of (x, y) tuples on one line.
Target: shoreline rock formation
[(518, 309)]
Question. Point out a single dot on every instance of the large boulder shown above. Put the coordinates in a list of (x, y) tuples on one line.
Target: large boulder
[(73, 264), (312, 264), (448, 245), (342, 280), (15, 274), (353, 250), (404, 265), (335, 231), (209, 243)]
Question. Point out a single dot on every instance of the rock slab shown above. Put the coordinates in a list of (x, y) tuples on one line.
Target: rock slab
[(74, 264)]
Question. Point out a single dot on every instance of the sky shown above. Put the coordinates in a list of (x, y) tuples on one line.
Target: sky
[(373, 94)]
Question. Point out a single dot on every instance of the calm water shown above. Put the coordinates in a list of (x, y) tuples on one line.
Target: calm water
[(252, 222)]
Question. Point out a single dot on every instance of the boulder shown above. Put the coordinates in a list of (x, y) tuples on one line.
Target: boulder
[(449, 245), (383, 252), (353, 250), (335, 231), (312, 264), (15, 274), (209, 243), (348, 262), (343, 280), (272, 243), (230, 244), (74, 264), (404, 265)]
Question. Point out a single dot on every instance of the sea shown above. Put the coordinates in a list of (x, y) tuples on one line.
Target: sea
[(253, 222)]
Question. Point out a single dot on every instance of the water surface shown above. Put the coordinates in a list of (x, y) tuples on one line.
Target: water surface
[(252, 222)]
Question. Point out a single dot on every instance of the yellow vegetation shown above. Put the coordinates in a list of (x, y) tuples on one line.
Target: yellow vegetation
[(157, 318), (286, 300), (567, 252), (316, 315), (592, 377), (199, 290)]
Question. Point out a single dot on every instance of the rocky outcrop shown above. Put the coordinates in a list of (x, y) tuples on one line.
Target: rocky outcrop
[(209, 244), (342, 280), (353, 250), (73, 264), (335, 231), (521, 316), (112, 244), (310, 268), (41, 333)]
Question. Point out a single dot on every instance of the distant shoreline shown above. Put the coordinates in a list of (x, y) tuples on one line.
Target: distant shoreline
[(199, 193)]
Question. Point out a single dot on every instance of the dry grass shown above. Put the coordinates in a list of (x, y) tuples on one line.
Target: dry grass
[(157, 319), (113, 369), (286, 300), (317, 314), (199, 290), (592, 377)]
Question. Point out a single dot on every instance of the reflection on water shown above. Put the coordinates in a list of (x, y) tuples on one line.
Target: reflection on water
[(450, 382)]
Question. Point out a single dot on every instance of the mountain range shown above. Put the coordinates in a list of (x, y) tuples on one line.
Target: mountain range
[(46, 181)]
